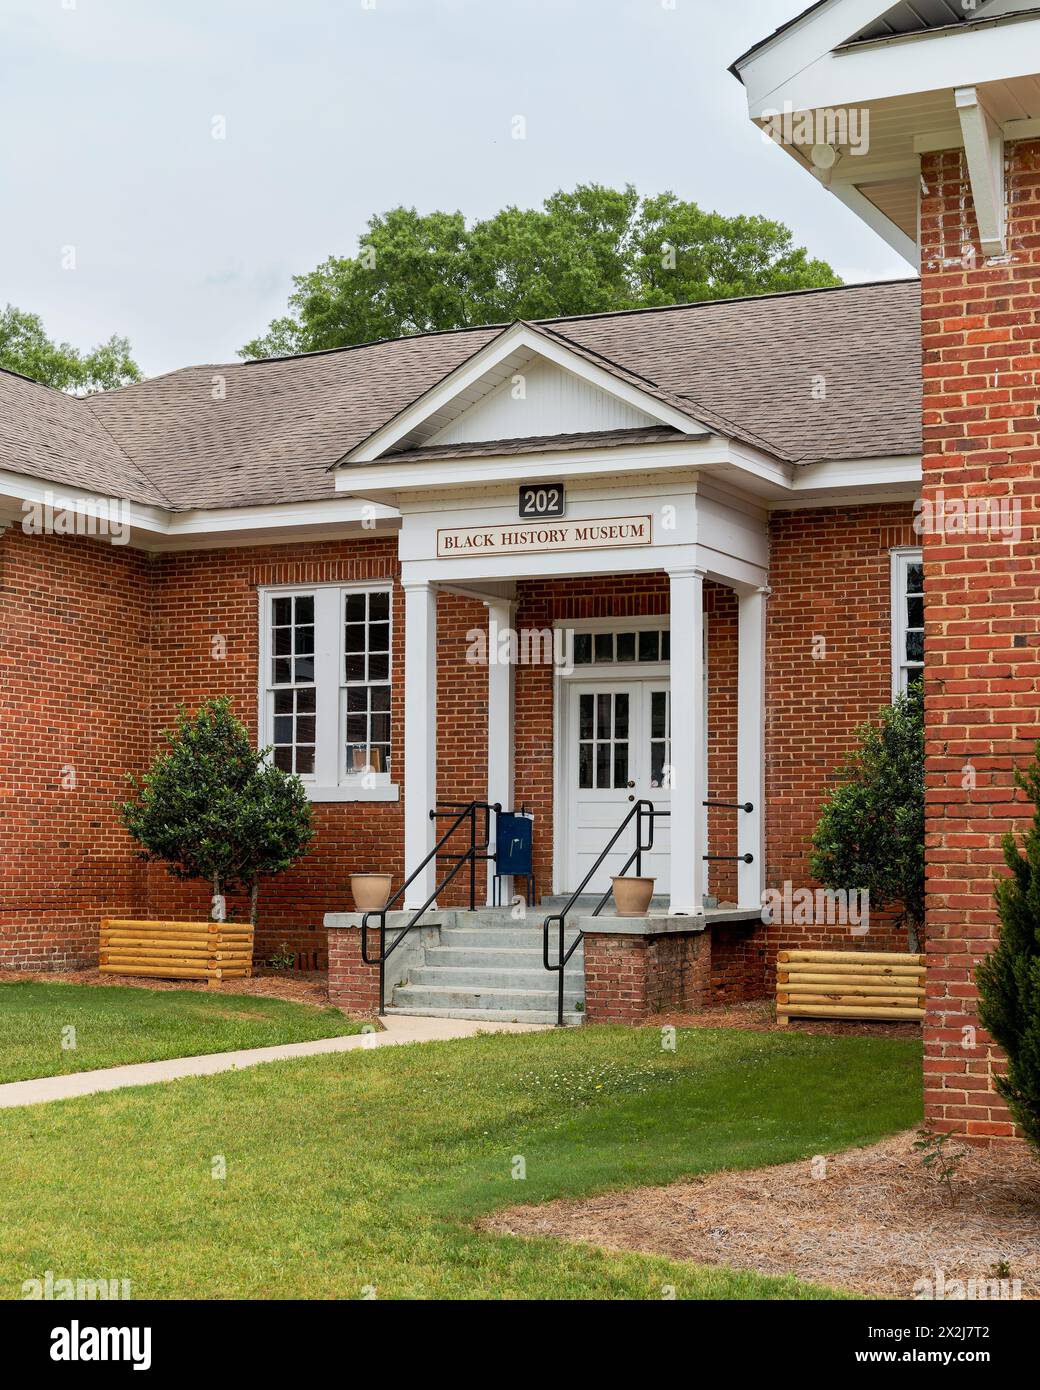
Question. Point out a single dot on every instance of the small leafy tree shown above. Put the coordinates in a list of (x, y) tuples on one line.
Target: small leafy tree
[(871, 829), (212, 807), (1009, 978)]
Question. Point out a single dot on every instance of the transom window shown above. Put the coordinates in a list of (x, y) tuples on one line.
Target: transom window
[(907, 618), (629, 647), (326, 701)]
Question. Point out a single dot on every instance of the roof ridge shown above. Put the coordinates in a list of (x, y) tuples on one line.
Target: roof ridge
[(573, 318)]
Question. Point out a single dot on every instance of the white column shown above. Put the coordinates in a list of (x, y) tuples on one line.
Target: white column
[(500, 712), (420, 736), (687, 765), (751, 705)]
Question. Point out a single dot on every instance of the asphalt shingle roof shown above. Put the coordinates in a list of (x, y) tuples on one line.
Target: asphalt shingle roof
[(257, 433)]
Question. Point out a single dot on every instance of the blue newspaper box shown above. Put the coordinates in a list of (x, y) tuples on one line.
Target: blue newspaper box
[(514, 854)]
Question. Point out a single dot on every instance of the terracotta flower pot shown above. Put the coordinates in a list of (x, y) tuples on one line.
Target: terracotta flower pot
[(370, 891), (632, 896)]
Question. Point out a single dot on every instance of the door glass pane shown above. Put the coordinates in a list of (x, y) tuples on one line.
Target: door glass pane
[(657, 762), (585, 710), (620, 764), (603, 765), (621, 716), (658, 714), (660, 738), (585, 766), (603, 703)]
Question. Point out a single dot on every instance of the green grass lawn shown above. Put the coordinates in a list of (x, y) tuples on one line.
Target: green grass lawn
[(366, 1170), (114, 1025)]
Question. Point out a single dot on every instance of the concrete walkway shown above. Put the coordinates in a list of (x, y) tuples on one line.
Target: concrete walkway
[(399, 1028)]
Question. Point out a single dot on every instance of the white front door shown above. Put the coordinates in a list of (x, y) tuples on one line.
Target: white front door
[(618, 739)]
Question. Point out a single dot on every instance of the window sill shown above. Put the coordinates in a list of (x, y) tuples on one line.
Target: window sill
[(344, 793)]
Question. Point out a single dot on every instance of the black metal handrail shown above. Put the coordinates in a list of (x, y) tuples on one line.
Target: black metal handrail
[(476, 851), (642, 810)]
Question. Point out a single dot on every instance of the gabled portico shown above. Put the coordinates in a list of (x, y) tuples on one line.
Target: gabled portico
[(683, 529)]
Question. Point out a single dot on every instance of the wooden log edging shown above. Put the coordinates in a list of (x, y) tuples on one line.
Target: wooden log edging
[(849, 984), (210, 951)]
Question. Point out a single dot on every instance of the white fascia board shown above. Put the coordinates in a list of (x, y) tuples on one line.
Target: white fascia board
[(902, 472), (150, 524), (488, 357), (806, 41), (927, 62), (564, 464)]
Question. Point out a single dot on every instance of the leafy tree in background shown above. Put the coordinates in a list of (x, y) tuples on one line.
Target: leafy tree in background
[(871, 829), (1009, 978), (212, 807), (25, 348), (588, 251)]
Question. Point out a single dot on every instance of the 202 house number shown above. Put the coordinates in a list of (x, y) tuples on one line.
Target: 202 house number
[(538, 502)]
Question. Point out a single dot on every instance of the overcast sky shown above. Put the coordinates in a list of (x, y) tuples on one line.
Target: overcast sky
[(336, 109)]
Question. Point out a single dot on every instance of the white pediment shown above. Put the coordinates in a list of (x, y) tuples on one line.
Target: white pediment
[(540, 398), (524, 384)]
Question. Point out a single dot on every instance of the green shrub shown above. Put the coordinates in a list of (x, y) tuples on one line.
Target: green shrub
[(870, 835), (1009, 978), (212, 807)]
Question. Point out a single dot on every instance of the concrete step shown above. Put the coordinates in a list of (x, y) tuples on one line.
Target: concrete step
[(511, 938), (424, 998), (498, 957), (571, 1019), (485, 977)]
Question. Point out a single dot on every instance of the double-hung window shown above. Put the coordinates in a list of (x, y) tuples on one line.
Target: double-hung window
[(907, 618), (326, 669)]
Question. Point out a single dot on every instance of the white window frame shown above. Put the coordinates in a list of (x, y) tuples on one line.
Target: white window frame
[(331, 780), (902, 559)]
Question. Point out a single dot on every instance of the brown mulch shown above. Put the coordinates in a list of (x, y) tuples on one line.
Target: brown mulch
[(760, 1017), (871, 1221), (296, 986)]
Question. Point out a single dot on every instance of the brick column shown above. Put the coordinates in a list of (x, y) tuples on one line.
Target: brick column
[(982, 675), (631, 977), (353, 985)]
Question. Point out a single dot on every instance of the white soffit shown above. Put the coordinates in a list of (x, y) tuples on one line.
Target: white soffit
[(897, 73)]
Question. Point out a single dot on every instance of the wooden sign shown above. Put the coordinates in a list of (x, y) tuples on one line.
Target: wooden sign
[(524, 538)]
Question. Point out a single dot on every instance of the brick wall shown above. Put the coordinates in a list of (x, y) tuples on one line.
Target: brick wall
[(101, 644), (75, 658), (828, 671), (981, 359), (628, 979), (115, 641)]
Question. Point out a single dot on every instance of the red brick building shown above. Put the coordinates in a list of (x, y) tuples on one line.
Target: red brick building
[(670, 555), (336, 542), (924, 120)]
